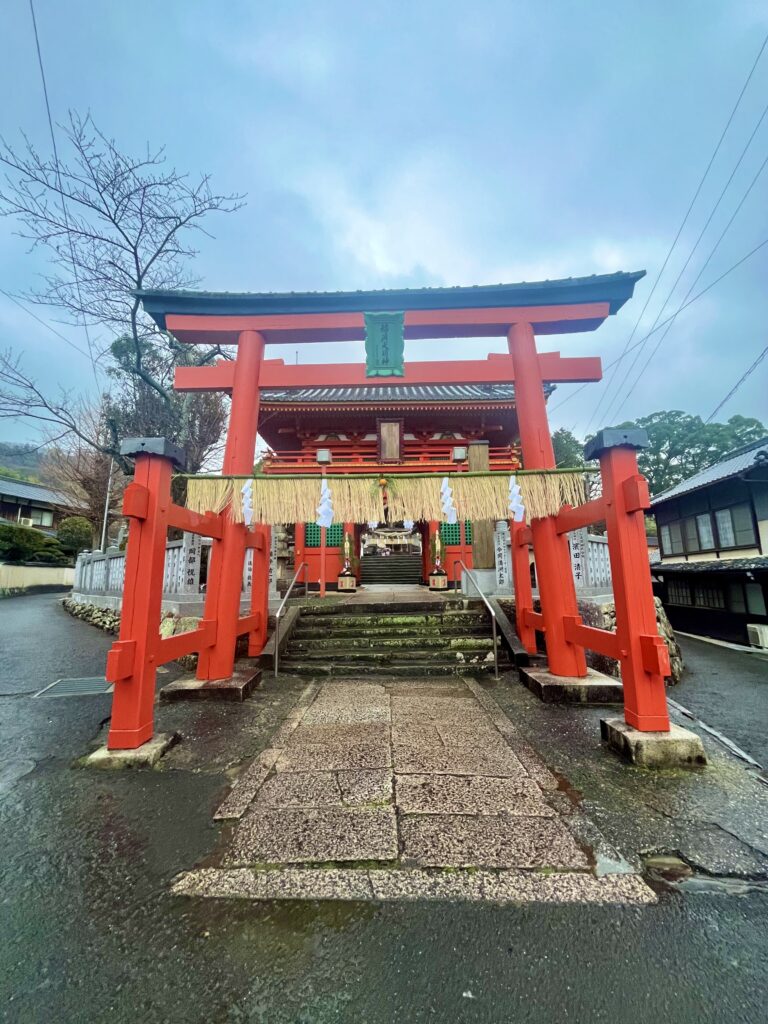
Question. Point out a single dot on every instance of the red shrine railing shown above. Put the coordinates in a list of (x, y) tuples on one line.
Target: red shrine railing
[(363, 457)]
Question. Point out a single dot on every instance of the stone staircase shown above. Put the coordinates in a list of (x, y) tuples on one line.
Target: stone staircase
[(394, 570), (444, 638)]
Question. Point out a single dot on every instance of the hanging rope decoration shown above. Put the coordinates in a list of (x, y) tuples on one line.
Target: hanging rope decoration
[(275, 500), (325, 508), (516, 506)]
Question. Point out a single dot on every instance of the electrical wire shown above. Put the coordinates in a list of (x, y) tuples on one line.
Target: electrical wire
[(695, 281), (699, 187), (617, 402), (40, 320), (61, 191), (679, 310)]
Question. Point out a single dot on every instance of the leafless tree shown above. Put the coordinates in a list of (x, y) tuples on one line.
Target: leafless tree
[(112, 225), (82, 473)]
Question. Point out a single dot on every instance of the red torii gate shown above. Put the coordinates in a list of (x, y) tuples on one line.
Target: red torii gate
[(250, 322)]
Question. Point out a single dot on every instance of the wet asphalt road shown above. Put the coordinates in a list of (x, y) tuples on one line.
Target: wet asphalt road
[(728, 690), (88, 932)]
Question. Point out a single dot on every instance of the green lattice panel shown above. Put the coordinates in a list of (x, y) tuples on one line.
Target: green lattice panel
[(450, 533), (334, 536)]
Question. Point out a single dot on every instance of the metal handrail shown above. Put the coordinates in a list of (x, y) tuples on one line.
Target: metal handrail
[(302, 567), (487, 604)]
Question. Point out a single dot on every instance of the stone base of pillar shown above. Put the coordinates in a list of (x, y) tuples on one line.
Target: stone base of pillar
[(593, 688), (145, 756), (678, 748), (237, 687)]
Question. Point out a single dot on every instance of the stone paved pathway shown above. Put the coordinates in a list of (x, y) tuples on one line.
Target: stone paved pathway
[(395, 790)]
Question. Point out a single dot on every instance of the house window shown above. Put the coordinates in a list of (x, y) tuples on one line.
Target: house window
[(735, 527), (706, 534), (672, 539), (41, 517), (755, 599), (708, 597), (736, 602), (678, 592), (691, 535)]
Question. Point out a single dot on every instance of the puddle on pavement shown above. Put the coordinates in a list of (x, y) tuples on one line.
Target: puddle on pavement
[(668, 872)]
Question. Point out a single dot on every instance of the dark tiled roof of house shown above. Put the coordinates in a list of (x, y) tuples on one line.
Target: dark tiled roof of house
[(737, 462), (26, 491), (715, 565)]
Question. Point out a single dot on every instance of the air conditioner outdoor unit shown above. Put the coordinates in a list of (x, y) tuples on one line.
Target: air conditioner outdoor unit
[(758, 634), (26, 522)]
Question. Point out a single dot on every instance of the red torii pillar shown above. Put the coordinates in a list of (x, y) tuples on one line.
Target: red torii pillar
[(550, 549), (225, 574)]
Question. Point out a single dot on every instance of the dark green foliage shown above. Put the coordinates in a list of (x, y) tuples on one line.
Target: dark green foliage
[(569, 450), (682, 445), (19, 543), (75, 534)]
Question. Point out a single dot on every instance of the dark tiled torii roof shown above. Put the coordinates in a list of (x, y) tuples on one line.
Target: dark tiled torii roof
[(615, 289), (391, 394)]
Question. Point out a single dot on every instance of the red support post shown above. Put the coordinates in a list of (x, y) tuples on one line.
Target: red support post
[(557, 591), (642, 653), (225, 575), (260, 589), (521, 581), (132, 661)]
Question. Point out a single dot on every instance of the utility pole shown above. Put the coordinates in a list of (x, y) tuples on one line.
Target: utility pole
[(105, 520)]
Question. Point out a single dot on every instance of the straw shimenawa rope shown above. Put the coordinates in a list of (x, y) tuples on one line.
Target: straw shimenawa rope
[(278, 500)]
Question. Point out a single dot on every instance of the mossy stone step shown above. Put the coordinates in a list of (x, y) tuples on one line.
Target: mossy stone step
[(381, 656), (317, 608), (351, 633), (403, 670), (380, 642), (392, 621)]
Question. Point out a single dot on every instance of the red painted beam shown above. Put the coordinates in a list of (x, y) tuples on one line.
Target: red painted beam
[(584, 515), (173, 647), (497, 369), (599, 640), (423, 323), (208, 525)]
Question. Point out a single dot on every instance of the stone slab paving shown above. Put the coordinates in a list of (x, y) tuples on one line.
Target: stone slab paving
[(392, 790)]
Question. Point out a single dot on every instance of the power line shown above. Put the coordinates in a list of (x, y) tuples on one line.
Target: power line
[(61, 190), (699, 187), (679, 310), (738, 384), (617, 402), (695, 281), (44, 323)]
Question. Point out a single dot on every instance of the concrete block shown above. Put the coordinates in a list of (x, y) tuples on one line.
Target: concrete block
[(145, 756), (674, 749), (240, 686), (593, 688)]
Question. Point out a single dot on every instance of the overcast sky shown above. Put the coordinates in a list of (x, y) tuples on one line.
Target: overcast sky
[(433, 143)]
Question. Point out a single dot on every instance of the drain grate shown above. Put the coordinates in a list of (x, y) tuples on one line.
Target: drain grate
[(89, 686)]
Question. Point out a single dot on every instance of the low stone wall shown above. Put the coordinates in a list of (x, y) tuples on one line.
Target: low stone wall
[(602, 615), (108, 620), (18, 579), (104, 618)]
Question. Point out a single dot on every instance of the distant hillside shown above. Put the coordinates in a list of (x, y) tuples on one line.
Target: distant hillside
[(20, 460)]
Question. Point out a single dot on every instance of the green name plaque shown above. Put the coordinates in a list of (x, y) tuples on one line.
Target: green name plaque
[(384, 344)]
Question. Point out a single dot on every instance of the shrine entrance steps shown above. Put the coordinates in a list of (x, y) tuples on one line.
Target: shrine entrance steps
[(393, 570), (408, 639)]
